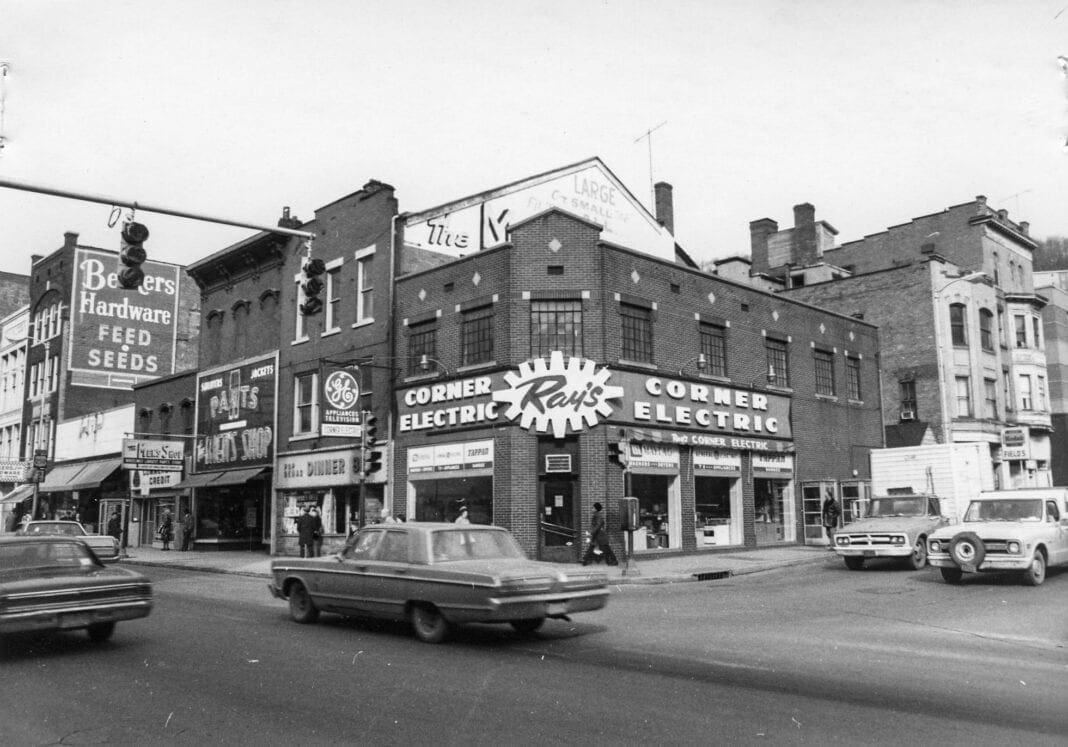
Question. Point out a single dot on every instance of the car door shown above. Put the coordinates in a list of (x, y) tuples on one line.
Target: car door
[(1059, 545), (388, 574), (346, 587)]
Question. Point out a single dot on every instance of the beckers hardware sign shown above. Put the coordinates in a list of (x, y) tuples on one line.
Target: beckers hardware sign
[(235, 415)]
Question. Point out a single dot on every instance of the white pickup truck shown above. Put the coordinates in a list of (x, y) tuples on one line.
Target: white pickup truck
[(896, 526), (1023, 530)]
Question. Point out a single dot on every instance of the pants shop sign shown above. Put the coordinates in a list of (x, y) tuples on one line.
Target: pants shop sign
[(236, 415), (121, 337)]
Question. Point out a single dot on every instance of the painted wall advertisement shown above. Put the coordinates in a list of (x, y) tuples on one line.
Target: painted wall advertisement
[(121, 337), (236, 415)]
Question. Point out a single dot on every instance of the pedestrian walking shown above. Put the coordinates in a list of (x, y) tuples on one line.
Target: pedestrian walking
[(317, 533), (305, 528), (115, 525), (166, 529), (831, 512), (188, 527), (599, 547)]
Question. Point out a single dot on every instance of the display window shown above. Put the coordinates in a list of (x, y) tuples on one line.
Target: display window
[(445, 499), (717, 512), (658, 512)]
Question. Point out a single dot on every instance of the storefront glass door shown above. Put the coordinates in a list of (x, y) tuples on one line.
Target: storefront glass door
[(770, 517), (559, 538)]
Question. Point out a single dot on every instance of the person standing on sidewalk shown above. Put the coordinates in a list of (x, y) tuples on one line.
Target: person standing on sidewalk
[(305, 527), (317, 533), (831, 512), (599, 539), (166, 529), (187, 530)]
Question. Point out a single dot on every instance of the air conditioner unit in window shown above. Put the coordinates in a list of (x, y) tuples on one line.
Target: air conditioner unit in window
[(907, 413)]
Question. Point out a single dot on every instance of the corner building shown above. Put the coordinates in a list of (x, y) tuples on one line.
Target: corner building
[(548, 368)]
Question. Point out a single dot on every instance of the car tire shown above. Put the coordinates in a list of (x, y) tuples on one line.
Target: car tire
[(527, 625), (918, 559), (428, 624), (853, 563), (1036, 572), (952, 575), (967, 549), (301, 607), (100, 632)]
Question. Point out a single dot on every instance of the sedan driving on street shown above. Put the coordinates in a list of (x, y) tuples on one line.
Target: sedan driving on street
[(105, 546), (436, 576)]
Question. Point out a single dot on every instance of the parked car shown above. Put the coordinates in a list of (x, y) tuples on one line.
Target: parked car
[(1023, 530), (105, 546), (436, 576), (896, 527), (57, 583)]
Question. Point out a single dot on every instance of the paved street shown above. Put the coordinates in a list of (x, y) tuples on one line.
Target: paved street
[(797, 655)]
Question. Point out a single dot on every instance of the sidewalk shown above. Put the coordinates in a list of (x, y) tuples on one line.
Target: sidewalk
[(660, 570)]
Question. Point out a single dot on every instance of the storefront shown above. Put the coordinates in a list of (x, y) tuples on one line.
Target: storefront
[(82, 491), (444, 479)]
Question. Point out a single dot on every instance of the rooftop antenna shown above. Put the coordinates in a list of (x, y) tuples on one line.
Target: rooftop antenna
[(1016, 196), (648, 135)]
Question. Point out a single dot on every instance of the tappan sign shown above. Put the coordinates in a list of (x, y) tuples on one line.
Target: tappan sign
[(235, 415), (119, 337)]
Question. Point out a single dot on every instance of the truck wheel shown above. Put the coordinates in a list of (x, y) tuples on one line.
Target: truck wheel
[(952, 575), (1036, 573), (853, 563), (918, 559), (967, 549)]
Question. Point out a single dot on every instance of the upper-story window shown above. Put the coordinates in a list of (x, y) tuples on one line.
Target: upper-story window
[(476, 336), (1021, 330), (853, 377), (907, 398), (1036, 329), (46, 322), (986, 329), (958, 324), (1040, 393), (637, 332), (778, 362), (365, 288), (555, 325), (990, 398), (332, 296), (714, 348), (824, 361), (1023, 389), (964, 397), (305, 403), (422, 348)]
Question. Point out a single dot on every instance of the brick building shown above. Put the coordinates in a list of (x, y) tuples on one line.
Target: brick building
[(538, 351)]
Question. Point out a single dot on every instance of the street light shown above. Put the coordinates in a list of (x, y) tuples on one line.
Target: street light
[(701, 360)]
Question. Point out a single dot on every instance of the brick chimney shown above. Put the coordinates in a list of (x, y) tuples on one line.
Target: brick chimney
[(70, 240), (1025, 227), (759, 233), (665, 206), (805, 248)]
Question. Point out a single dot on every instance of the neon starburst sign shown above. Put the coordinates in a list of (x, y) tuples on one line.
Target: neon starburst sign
[(558, 395)]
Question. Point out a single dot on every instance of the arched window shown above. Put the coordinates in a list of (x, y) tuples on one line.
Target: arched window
[(957, 325)]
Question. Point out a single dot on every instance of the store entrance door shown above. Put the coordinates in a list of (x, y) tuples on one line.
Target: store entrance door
[(559, 538), (769, 521)]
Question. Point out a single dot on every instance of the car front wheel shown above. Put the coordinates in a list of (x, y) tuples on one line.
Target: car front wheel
[(853, 563), (918, 559), (429, 625), (99, 632), (952, 575), (301, 607), (1036, 573), (528, 625)]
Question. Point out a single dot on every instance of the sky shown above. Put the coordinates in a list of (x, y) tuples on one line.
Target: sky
[(874, 112)]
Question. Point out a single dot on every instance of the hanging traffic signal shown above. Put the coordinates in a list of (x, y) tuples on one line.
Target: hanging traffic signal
[(312, 285), (370, 456), (133, 254), (617, 452)]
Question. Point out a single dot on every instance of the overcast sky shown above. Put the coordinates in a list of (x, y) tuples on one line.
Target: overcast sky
[(875, 112)]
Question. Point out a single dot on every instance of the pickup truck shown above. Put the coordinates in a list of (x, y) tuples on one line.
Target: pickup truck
[(1023, 530), (896, 526)]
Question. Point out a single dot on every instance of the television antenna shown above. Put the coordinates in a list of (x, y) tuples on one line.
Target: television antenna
[(648, 136)]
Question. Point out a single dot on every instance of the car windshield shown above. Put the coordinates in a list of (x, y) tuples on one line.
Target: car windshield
[(1005, 509), (22, 555), (65, 528), (899, 506), (449, 545)]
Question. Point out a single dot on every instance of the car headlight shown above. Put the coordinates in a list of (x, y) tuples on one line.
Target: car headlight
[(899, 540), (1013, 548), (935, 546), (843, 541)]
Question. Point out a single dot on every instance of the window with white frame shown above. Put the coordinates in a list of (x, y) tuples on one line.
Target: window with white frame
[(853, 377), (333, 296), (1036, 328), (1040, 393), (990, 398), (305, 403), (1023, 387), (964, 397), (365, 288)]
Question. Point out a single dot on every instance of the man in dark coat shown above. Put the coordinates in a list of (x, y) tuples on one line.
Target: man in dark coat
[(831, 512), (599, 539), (187, 529), (115, 525), (305, 532)]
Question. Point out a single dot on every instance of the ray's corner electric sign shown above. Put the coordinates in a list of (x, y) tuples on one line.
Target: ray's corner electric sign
[(119, 337), (235, 415)]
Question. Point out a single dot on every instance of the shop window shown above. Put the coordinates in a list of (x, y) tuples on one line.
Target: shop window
[(305, 404), (657, 506), (824, 361), (964, 396), (555, 325), (637, 332), (477, 336), (717, 521), (986, 329), (852, 364), (441, 500), (778, 362), (714, 348), (957, 324), (422, 349)]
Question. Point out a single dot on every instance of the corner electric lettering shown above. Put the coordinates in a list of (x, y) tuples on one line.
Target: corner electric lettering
[(705, 406)]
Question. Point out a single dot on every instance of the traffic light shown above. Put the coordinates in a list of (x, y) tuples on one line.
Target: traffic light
[(370, 456), (617, 452), (132, 254), (312, 286)]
